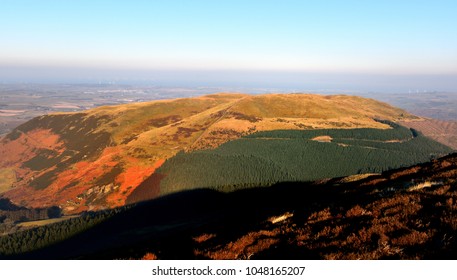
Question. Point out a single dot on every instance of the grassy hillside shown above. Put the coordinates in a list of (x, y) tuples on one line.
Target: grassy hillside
[(266, 158), (96, 159), (7, 178)]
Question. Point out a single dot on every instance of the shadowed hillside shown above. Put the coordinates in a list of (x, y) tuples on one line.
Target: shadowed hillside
[(266, 158), (408, 213)]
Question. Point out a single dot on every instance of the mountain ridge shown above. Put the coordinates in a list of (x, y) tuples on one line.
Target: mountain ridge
[(96, 158)]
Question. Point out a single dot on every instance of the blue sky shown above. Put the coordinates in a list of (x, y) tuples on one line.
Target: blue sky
[(326, 37)]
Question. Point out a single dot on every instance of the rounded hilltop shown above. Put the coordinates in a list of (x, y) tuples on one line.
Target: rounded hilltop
[(96, 158)]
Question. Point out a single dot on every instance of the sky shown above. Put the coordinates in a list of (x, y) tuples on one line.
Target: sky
[(334, 44)]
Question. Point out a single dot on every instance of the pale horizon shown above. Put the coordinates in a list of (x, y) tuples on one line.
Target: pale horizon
[(370, 45)]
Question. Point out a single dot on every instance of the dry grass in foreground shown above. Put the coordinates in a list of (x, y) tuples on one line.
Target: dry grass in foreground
[(382, 216)]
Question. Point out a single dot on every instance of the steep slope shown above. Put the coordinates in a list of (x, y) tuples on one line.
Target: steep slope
[(444, 132), (95, 159), (407, 213)]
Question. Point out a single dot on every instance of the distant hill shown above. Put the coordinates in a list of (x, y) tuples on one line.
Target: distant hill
[(97, 158), (444, 132)]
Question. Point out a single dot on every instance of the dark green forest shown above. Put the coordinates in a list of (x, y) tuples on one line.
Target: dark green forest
[(258, 160), (265, 158), (33, 239)]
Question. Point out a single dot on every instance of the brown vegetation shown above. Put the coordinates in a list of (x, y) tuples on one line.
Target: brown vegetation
[(444, 132), (384, 219), (324, 138), (109, 151)]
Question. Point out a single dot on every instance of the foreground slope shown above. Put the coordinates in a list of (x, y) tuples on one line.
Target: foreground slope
[(409, 213), (95, 159)]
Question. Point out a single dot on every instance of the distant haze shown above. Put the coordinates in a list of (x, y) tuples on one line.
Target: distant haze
[(330, 45), (280, 80)]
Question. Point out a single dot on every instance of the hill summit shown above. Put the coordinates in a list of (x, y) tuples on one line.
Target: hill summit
[(95, 159)]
